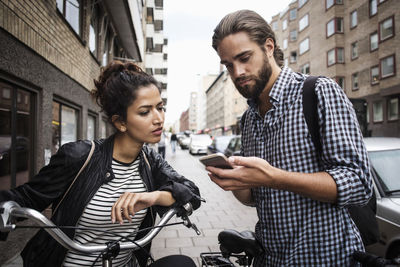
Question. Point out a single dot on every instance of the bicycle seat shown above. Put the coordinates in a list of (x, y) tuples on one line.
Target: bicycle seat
[(232, 241)]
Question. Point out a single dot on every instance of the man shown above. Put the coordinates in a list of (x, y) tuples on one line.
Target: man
[(301, 197), (161, 145)]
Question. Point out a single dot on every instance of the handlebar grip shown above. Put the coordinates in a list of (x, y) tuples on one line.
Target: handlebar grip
[(369, 260)]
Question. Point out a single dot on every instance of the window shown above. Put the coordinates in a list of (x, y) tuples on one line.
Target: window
[(340, 81), (305, 69), (334, 26), (374, 74), (70, 9), (373, 7), (335, 55), (274, 25), (93, 31), (284, 24), (373, 41), (393, 109), (103, 128), (158, 25), (387, 66), (304, 46), (17, 131), (285, 44), (159, 3), (354, 81), (377, 111), (91, 127), (386, 29), (149, 71), (354, 50), (165, 56), (353, 19), (64, 124), (293, 35), (330, 3), (150, 16), (149, 44), (293, 57), (104, 60), (292, 14), (302, 2), (303, 22)]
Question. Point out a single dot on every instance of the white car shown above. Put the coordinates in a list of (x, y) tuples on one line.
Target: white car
[(199, 143), (384, 154)]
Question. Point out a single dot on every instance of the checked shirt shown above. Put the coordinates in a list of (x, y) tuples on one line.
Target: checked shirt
[(296, 230)]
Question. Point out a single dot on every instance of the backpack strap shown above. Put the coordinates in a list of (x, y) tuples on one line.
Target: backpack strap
[(310, 110)]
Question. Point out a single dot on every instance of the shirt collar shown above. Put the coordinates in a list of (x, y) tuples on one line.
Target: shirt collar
[(277, 88)]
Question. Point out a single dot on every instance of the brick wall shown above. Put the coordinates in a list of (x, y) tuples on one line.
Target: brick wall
[(40, 26)]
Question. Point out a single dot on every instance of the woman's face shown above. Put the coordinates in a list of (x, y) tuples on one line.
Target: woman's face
[(145, 116)]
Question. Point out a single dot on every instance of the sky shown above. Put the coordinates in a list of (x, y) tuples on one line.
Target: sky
[(189, 25)]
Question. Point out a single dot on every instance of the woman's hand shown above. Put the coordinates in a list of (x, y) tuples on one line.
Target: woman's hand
[(130, 203)]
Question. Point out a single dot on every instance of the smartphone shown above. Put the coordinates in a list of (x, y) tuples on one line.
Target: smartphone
[(217, 160)]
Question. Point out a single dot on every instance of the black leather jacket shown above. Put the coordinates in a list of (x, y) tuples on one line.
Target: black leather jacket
[(48, 187)]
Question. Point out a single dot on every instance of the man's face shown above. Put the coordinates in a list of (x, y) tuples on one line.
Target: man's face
[(246, 62)]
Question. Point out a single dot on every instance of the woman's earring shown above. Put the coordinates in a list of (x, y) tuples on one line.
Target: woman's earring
[(123, 129)]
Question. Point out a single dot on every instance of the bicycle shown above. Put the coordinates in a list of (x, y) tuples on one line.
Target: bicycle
[(10, 211), (242, 246)]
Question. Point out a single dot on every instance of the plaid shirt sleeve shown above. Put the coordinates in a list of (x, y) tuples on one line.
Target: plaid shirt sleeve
[(344, 155)]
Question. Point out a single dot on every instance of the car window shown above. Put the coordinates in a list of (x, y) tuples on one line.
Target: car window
[(223, 142), (387, 167), (231, 145)]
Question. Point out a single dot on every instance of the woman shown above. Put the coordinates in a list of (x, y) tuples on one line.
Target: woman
[(122, 186)]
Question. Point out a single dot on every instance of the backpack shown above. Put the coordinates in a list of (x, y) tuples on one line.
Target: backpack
[(363, 216)]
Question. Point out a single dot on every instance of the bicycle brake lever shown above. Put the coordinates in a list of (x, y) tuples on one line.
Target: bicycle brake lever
[(189, 224)]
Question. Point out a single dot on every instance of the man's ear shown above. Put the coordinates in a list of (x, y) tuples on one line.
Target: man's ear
[(269, 47), (118, 123)]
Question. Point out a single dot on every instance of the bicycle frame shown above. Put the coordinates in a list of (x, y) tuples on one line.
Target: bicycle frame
[(11, 209)]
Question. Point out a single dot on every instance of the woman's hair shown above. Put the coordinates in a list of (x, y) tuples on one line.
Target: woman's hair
[(250, 22), (117, 85)]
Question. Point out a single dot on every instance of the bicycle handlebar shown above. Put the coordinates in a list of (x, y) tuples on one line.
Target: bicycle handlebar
[(11, 209)]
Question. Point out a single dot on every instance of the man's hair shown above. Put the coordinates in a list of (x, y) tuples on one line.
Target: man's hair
[(251, 23)]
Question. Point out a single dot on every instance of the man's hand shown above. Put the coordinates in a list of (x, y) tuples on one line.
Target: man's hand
[(254, 172), (130, 203), (246, 173)]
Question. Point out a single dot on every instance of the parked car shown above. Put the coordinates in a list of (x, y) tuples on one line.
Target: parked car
[(22, 154), (219, 144), (199, 143), (183, 139), (384, 154), (233, 148)]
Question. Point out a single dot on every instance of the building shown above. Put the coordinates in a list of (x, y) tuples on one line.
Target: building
[(193, 112), (355, 43), (224, 106), (184, 121), (156, 62), (50, 53), (204, 84)]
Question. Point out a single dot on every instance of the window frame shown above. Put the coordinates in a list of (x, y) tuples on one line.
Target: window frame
[(380, 40), (305, 66), (394, 67), (334, 2), (63, 14), (290, 57), (352, 49), (335, 30), (351, 19), (290, 14), (371, 77), (373, 111), (369, 8), (335, 49), (388, 109), (370, 41), (308, 22), (344, 81), (355, 88), (308, 49), (290, 36), (284, 24)]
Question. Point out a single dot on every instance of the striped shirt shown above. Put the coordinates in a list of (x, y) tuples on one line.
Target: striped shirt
[(296, 230), (97, 216)]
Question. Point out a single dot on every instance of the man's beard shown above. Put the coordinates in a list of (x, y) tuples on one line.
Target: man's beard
[(261, 80)]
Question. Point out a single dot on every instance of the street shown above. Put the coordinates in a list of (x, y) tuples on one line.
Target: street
[(221, 211)]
